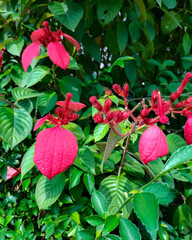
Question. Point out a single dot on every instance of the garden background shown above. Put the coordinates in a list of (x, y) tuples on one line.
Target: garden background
[(145, 43)]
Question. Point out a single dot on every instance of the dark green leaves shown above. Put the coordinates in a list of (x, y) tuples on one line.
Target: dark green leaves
[(174, 142), (15, 47), (47, 191), (122, 36), (99, 202), (128, 230), (46, 102), (67, 13), (15, 125), (107, 10), (147, 210)]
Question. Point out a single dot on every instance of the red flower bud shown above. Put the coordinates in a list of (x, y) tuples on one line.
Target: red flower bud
[(107, 105), (96, 104), (108, 92), (98, 119), (126, 90), (110, 116), (117, 88)]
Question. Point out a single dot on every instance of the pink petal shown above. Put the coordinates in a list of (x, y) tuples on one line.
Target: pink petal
[(75, 106), (55, 150), (152, 144), (39, 123), (58, 54), (11, 172), (37, 34), (29, 53), (72, 40), (188, 130)]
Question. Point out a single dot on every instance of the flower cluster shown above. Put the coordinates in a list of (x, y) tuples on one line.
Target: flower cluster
[(152, 143), (56, 148), (52, 40)]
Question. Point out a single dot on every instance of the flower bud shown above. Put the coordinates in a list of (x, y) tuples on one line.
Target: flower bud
[(98, 119), (108, 92), (107, 105), (126, 90), (117, 88), (96, 104)]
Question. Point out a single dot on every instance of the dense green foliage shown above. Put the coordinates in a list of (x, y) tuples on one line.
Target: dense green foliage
[(146, 43)]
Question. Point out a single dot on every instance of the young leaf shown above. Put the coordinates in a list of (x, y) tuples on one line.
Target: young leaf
[(27, 161), (15, 125), (182, 155), (147, 210), (99, 202), (100, 131), (48, 191), (128, 230)]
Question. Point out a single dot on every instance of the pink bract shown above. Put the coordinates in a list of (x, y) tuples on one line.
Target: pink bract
[(11, 172), (75, 106), (55, 150), (152, 144), (188, 130)]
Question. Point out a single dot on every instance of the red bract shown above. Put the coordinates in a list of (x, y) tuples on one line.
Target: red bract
[(51, 40), (11, 172), (75, 106), (188, 130), (55, 150), (152, 144)]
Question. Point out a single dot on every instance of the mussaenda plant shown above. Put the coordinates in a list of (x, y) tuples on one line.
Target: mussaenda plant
[(52, 40), (153, 142), (56, 148)]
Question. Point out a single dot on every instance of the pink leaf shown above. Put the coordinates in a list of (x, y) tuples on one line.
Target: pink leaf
[(72, 40), (39, 123), (29, 53), (75, 106), (37, 34), (55, 151), (188, 130), (58, 54), (11, 172), (152, 144)]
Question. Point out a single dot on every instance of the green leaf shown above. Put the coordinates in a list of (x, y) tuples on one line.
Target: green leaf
[(163, 193), (94, 220), (72, 85), (182, 219), (75, 175), (48, 191), (174, 142), (128, 230), (147, 210), (107, 10), (150, 30), (112, 140), (119, 62), (89, 181), (67, 13), (15, 47), (23, 93), (131, 72), (182, 155), (186, 43), (170, 3), (100, 131), (85, 160), (27, 162), (99, 202), (15, 125), (169, 63), (75, 129), (28, 79), (142, 9), (36, 75), (134, 31), (73, 64), (46, 102), (170, 21), (26, 104), (110, 224), (113, 188), (91, 48), (122, 36)]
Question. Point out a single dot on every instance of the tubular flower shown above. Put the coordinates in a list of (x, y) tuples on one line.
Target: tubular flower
[(188, 130), (152, 144), (1, 57), (52, 40), (160, 107), (56, 148)]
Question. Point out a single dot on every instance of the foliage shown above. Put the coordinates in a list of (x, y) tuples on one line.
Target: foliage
[(107, 193)]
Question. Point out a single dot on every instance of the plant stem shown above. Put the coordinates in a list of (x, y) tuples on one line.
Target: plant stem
[(3, 100)]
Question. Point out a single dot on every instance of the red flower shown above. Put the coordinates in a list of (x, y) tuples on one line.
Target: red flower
[(52, 40), (56, 148), (1, 56), (188, 130), (152, 144)]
